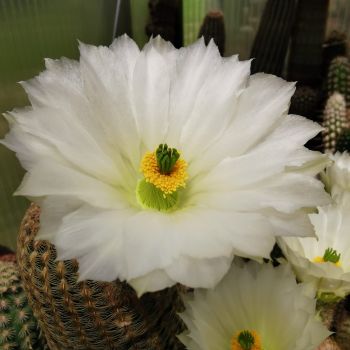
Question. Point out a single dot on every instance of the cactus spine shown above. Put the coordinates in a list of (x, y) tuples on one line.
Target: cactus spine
[(213, 27), (334, 122), (18, 327), (338, 79)]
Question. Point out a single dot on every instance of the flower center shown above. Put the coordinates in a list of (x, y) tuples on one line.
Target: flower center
[(330, 255), (164, 174), (246, 340)]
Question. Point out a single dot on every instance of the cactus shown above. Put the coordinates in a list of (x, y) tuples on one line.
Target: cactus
[(90, 314), (305, 55), (343, 141), (18, 327), (213, 27), (271, 42), (338, 78), (165, 20), (329, 344), (334, 122), (304, 101), (6, 254), (334, 46)]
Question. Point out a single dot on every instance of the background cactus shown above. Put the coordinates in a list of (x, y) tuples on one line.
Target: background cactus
[(305, 53), (271, 42), (165, 20), (92, 315), (213, 27), (343, 141), (304, 101), (18, 327), (335, 121), (338, 79), (334, 46)]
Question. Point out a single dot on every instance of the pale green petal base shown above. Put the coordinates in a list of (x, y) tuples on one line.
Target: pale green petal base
[(151, 197)]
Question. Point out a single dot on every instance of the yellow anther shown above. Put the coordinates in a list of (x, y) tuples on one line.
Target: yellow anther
[(319, 259), (167, 183)]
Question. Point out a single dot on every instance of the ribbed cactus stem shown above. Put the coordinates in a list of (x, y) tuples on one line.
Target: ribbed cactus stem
[(213, 27), (338, 79), (18, 327), (92, 315), (334, 122)]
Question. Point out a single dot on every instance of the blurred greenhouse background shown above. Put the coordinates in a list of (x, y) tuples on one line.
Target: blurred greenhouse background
[(273, 31)]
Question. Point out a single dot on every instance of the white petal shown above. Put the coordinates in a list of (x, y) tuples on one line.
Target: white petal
[(195, 66), (212, 111), (203, 273), (152, 282), (260, 109), (107, 76), (54, 179), (151, 89), (72, 142)]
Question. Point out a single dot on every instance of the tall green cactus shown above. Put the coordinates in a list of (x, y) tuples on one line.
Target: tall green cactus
[(338, 79), (334, 122), (18, 327)]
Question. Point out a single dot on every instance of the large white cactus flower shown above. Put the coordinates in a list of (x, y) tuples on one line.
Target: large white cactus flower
[(324, 260), (158, 166), (255, 307)]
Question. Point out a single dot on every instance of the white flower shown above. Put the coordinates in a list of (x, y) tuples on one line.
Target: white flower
[(324, 261), (241, 178), (337, 175), (258, 304)]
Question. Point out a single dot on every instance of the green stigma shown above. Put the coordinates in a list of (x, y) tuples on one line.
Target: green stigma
[(166, 158), (246, 340), (331, 255)]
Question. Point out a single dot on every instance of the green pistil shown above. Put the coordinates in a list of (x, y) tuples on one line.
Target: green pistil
[(331, 255), (245, 340), (166, 158)]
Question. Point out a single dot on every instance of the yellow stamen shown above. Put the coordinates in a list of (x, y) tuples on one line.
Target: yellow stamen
[(237, 345), (167, 183), (319, 259)]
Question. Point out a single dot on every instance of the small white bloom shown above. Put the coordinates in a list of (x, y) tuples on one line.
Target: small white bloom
[(255, 307), (337, 175), (234, 176), (324, 260)]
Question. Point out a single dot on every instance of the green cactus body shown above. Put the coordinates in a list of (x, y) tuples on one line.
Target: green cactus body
[(18, 327), (213, 27), (338, 79), (334, 122)]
